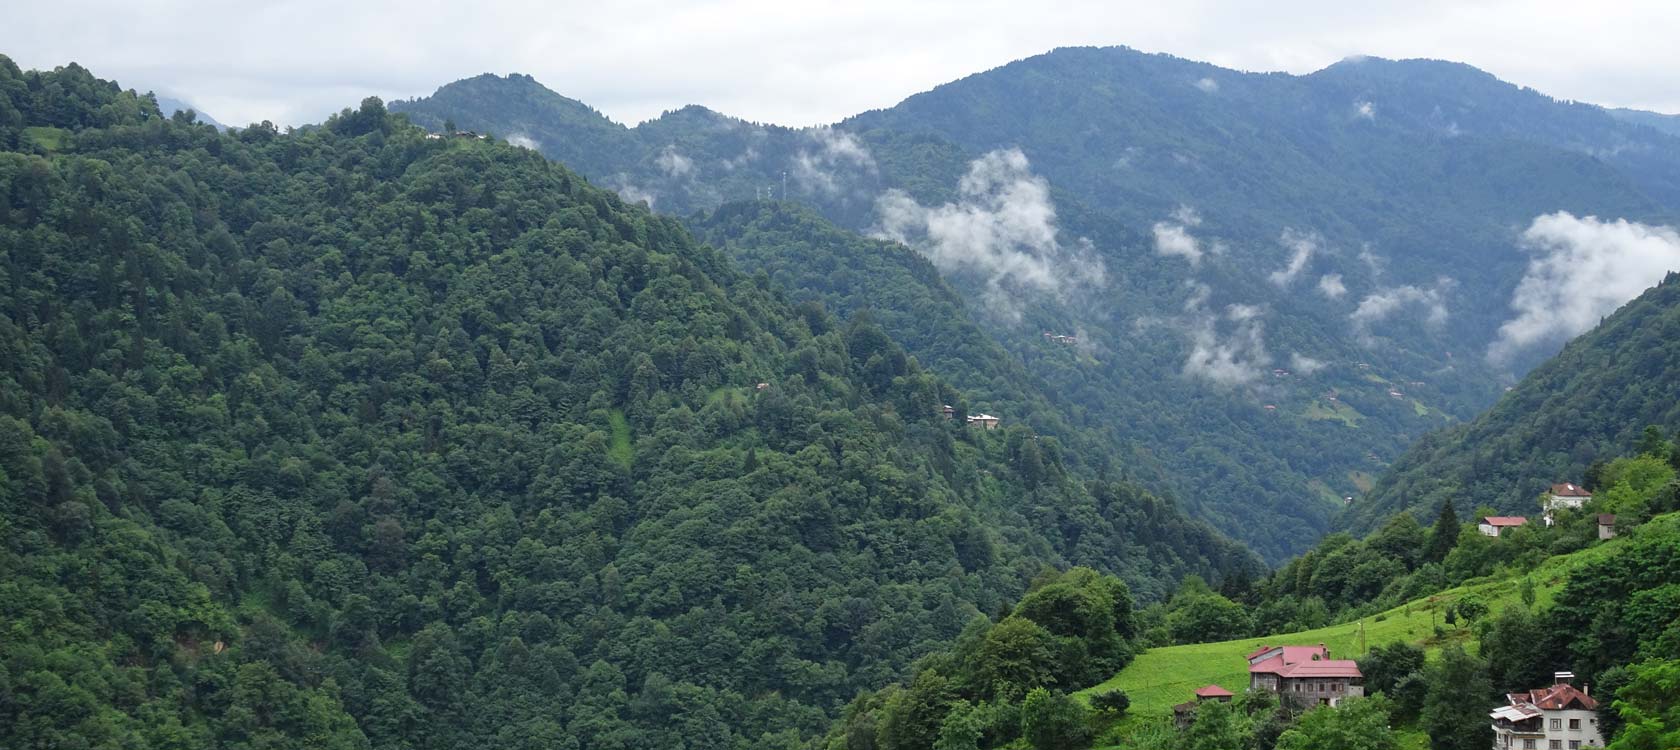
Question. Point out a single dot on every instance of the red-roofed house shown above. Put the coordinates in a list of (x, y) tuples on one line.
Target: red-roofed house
[(1559, 717), (1493, 525), (1566, 495), (1214, 692), (1185, 713), (1304, 675)]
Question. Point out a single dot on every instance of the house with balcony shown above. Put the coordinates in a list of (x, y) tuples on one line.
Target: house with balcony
[(1559, 717)]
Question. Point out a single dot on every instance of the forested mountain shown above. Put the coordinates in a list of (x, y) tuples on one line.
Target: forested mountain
[(1666, 123), (1589, 403), (897, 288), (1277, 282), (353, 437)]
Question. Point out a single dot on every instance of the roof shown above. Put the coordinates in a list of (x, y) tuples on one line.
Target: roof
[(1258, 651), (1323, 668), (1559, 697), (1504, 520), (1516, 712), (1286, 660), (1606, 519), (1213, 691), (1570, 490)]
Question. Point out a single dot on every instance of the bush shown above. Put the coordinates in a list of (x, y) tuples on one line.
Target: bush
[(1112, 701)]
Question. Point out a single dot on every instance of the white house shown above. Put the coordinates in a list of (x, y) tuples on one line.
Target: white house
[(1492, 525), (983, 421), (1559, 717), (1566, 495)]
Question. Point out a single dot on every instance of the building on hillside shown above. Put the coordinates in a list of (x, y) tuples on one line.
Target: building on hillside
[(1061, 339), (1559, 717), (983, 421), (949, 411), (1494, 525), (1606, 526), (1562, 496), (1185, 713), (1304, 675)]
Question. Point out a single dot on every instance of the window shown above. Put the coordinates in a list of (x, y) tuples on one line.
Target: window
[(1575, 724), (1574, 745), (1557, 724), (1555, 745), (1528, 744)]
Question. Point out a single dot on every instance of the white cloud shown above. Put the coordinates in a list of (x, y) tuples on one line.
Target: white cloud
[(1227, 350), (1173, 238), (1302, 246), (1582, 269), (746, 157), (1364, 110), (1383, 304), (630, 192), (835, 155), (524, 141), (1002, 226), (1330, 285), (1303, 364), (673, 163), (1208, 85)]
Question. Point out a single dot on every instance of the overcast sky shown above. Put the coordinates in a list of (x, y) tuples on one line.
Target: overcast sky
[(799, 63)]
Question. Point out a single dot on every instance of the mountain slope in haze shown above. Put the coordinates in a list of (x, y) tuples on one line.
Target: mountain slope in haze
[(1590, 402), (1666, 123), (1356, 230), (351, 438), (170, 105), (1071, 390)]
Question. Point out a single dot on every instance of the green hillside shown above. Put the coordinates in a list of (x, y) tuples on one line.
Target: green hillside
[(351, 437), (1589, 403), (1165, 676)]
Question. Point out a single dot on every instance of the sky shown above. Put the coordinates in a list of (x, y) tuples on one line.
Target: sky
[(800, 63)]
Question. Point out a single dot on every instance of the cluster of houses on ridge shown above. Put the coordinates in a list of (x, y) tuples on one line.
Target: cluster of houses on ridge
[(1559, 717), (455, 134), (1566, 496)]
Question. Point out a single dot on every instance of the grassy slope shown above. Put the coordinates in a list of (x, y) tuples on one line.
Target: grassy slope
[(1163, 677)]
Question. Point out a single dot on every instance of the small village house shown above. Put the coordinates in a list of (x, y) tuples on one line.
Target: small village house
[(1304, 675), (1185, 713), (983, 421), (1494, 525), (1559, 717), (1564, 496), (1606, 526)]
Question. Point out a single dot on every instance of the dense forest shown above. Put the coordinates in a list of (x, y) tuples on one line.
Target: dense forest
[(1293, 287), (1587, 404), (358, 436)]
